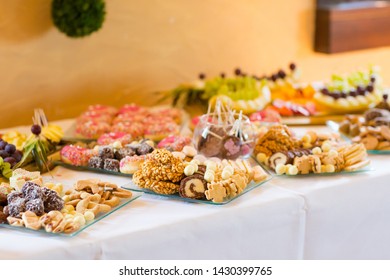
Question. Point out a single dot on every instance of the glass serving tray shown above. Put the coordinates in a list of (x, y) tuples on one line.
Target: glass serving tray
[(251, 186), (124, 202), (87, 168), (335, 127), (273, 173)]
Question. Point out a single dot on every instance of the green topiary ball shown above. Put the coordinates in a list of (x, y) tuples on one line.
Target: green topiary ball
[(78, 18)]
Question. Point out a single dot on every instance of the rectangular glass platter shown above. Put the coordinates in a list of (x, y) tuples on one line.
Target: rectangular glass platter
[(251, 186), (87, 168), (269, 170), (335, 127), (124, 202)]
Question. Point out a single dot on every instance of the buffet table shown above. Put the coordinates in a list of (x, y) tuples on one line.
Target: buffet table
[(345, 216)]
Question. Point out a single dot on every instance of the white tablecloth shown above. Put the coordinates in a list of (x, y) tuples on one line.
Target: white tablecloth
[(316, 217), (265, 223)]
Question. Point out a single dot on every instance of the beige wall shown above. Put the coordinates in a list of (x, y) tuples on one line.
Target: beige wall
[(152, 45)]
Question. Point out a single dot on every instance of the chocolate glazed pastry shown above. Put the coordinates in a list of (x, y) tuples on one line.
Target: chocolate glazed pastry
[(193, 187)]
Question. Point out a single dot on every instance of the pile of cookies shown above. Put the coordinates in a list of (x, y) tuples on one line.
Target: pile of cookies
[(194, 176), (42, 207), (324, 159), (372, 130)]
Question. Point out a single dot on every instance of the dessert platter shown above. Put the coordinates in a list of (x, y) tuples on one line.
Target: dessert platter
[(130, 121), (280, 151), (372, 129), (29, 204)]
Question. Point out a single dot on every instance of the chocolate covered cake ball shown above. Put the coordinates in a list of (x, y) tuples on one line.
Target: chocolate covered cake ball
[(106, 152), (13, 196), (144, 149), (96, 162), (124, 152), (36, 206), (17, 206), (32, 191), (51, 200), (111, 165)]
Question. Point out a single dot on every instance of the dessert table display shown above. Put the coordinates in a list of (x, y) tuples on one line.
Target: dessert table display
[(343, 216)]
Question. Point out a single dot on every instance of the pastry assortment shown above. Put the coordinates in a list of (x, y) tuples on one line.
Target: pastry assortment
[(372, 129), (45, 206), (114, 157), (316, 153), (192, 175), (130, 122)]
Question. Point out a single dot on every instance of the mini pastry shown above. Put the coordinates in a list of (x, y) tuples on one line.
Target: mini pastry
[(106, 152), (193, 187), (124, 152), (96, 162), (111, 165)]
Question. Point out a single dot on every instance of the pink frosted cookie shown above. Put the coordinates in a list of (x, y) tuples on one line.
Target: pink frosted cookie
[(92, 129), (109, 138), (132, 109), (136, 130), (103, 109), (76, 155), (94, 116)]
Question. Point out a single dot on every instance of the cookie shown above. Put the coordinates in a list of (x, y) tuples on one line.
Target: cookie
[(216, 192), (193, 187)]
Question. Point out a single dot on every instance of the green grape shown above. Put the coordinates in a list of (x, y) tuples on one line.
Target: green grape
[(7, 171)]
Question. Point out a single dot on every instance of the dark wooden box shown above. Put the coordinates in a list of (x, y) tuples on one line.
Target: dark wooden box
[(352, 26)]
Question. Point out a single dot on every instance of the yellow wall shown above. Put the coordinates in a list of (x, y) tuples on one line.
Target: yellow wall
[(152, 45)]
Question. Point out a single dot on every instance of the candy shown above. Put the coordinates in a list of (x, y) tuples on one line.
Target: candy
[(106, 152), (96, 162), (292, 170), (189, 151), (36, 206), (262, 157), (189, 170), (111, 165), (280, 169), (317, 151), (32, 191)]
